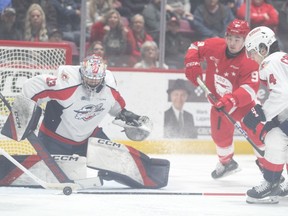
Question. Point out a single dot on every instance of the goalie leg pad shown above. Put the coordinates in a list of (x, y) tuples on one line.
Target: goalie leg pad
[(74, 167), (126, 165)]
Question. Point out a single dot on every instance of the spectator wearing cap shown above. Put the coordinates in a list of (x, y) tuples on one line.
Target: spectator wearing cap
[(178, 123), (175, 44), (8, 29)]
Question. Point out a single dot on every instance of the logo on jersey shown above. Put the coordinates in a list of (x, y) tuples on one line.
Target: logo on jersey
[(89, 111)]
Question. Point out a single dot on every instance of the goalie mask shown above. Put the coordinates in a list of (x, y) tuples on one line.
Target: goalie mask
[(93, 72)]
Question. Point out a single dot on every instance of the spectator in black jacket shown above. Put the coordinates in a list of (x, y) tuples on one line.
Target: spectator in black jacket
[(8, 29)]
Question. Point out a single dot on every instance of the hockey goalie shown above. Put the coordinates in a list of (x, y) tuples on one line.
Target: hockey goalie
[(77, 99)]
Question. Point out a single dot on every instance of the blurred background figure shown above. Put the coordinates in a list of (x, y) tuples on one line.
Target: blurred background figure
[(8, 29), (149, 56), (96, 9), (211, 19), (262, 14), (68, 18), (97, 48), (4, 4), (181, 8), (175, 44), (178, 123), (140, 35), (116, 38), (283, 26), (21, 7), (133, 7), (56, 36), (152, 14), (35, 24)]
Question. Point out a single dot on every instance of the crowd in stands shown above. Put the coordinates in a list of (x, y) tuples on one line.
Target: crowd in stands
[(127, 32)]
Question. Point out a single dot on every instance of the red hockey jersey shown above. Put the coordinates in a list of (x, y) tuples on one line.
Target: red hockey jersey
[(237, 75)]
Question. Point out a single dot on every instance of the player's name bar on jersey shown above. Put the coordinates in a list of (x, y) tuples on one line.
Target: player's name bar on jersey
[(159, 193)]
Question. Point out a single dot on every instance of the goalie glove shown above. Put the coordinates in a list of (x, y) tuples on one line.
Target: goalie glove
[(136, 127)]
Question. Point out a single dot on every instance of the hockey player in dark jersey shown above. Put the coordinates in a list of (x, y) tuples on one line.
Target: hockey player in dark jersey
[(234, 80)]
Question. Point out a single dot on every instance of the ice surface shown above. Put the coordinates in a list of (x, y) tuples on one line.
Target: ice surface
[(188, 174)]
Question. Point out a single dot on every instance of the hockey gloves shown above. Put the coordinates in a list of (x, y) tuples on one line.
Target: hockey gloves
[(254, 117), (227, 102), (192, 71), (128, 117)]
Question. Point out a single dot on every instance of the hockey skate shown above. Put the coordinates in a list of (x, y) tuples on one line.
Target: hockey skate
[(283, 189), (225, 169), (265, 193)]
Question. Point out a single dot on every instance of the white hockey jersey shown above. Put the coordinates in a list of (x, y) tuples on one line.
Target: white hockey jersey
[(70, 113), (274, 70)]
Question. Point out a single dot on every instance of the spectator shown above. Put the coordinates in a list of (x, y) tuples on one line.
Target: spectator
[(97, 48), (140, 35), (149, 55), (96, 10), (21, 7), (175, 44), (211, 19), (233, 4), (56, 36), (68, 17), (117, 39), (181, 8), (35, 24), (283, 26), (8, 29), (194, 4), (152, 16), (261, 14), (134, 6), (178, 123)]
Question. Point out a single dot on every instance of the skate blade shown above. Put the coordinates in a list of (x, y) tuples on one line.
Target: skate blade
[(228, 173), (265, 200)]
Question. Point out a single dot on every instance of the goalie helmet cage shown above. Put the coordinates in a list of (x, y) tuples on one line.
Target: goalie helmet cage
[(20, 60)]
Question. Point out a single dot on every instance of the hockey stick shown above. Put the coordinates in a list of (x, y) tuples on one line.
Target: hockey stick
[(66, 187), (65, 182), (240, 129), (42, 151)]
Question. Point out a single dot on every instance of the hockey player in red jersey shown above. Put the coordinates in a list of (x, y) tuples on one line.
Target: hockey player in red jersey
[(262, 46), (234, 80)]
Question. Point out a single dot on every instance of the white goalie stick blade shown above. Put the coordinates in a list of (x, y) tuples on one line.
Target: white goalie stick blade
[(67, 188), (266, 200)]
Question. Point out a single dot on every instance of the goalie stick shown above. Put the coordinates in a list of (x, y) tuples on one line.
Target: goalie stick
[(66, 184), (240, 129)]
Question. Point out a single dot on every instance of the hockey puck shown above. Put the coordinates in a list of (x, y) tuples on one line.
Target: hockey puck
[(67, 190)]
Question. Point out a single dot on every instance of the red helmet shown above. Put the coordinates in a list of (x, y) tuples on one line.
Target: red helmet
[(238, 27)]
